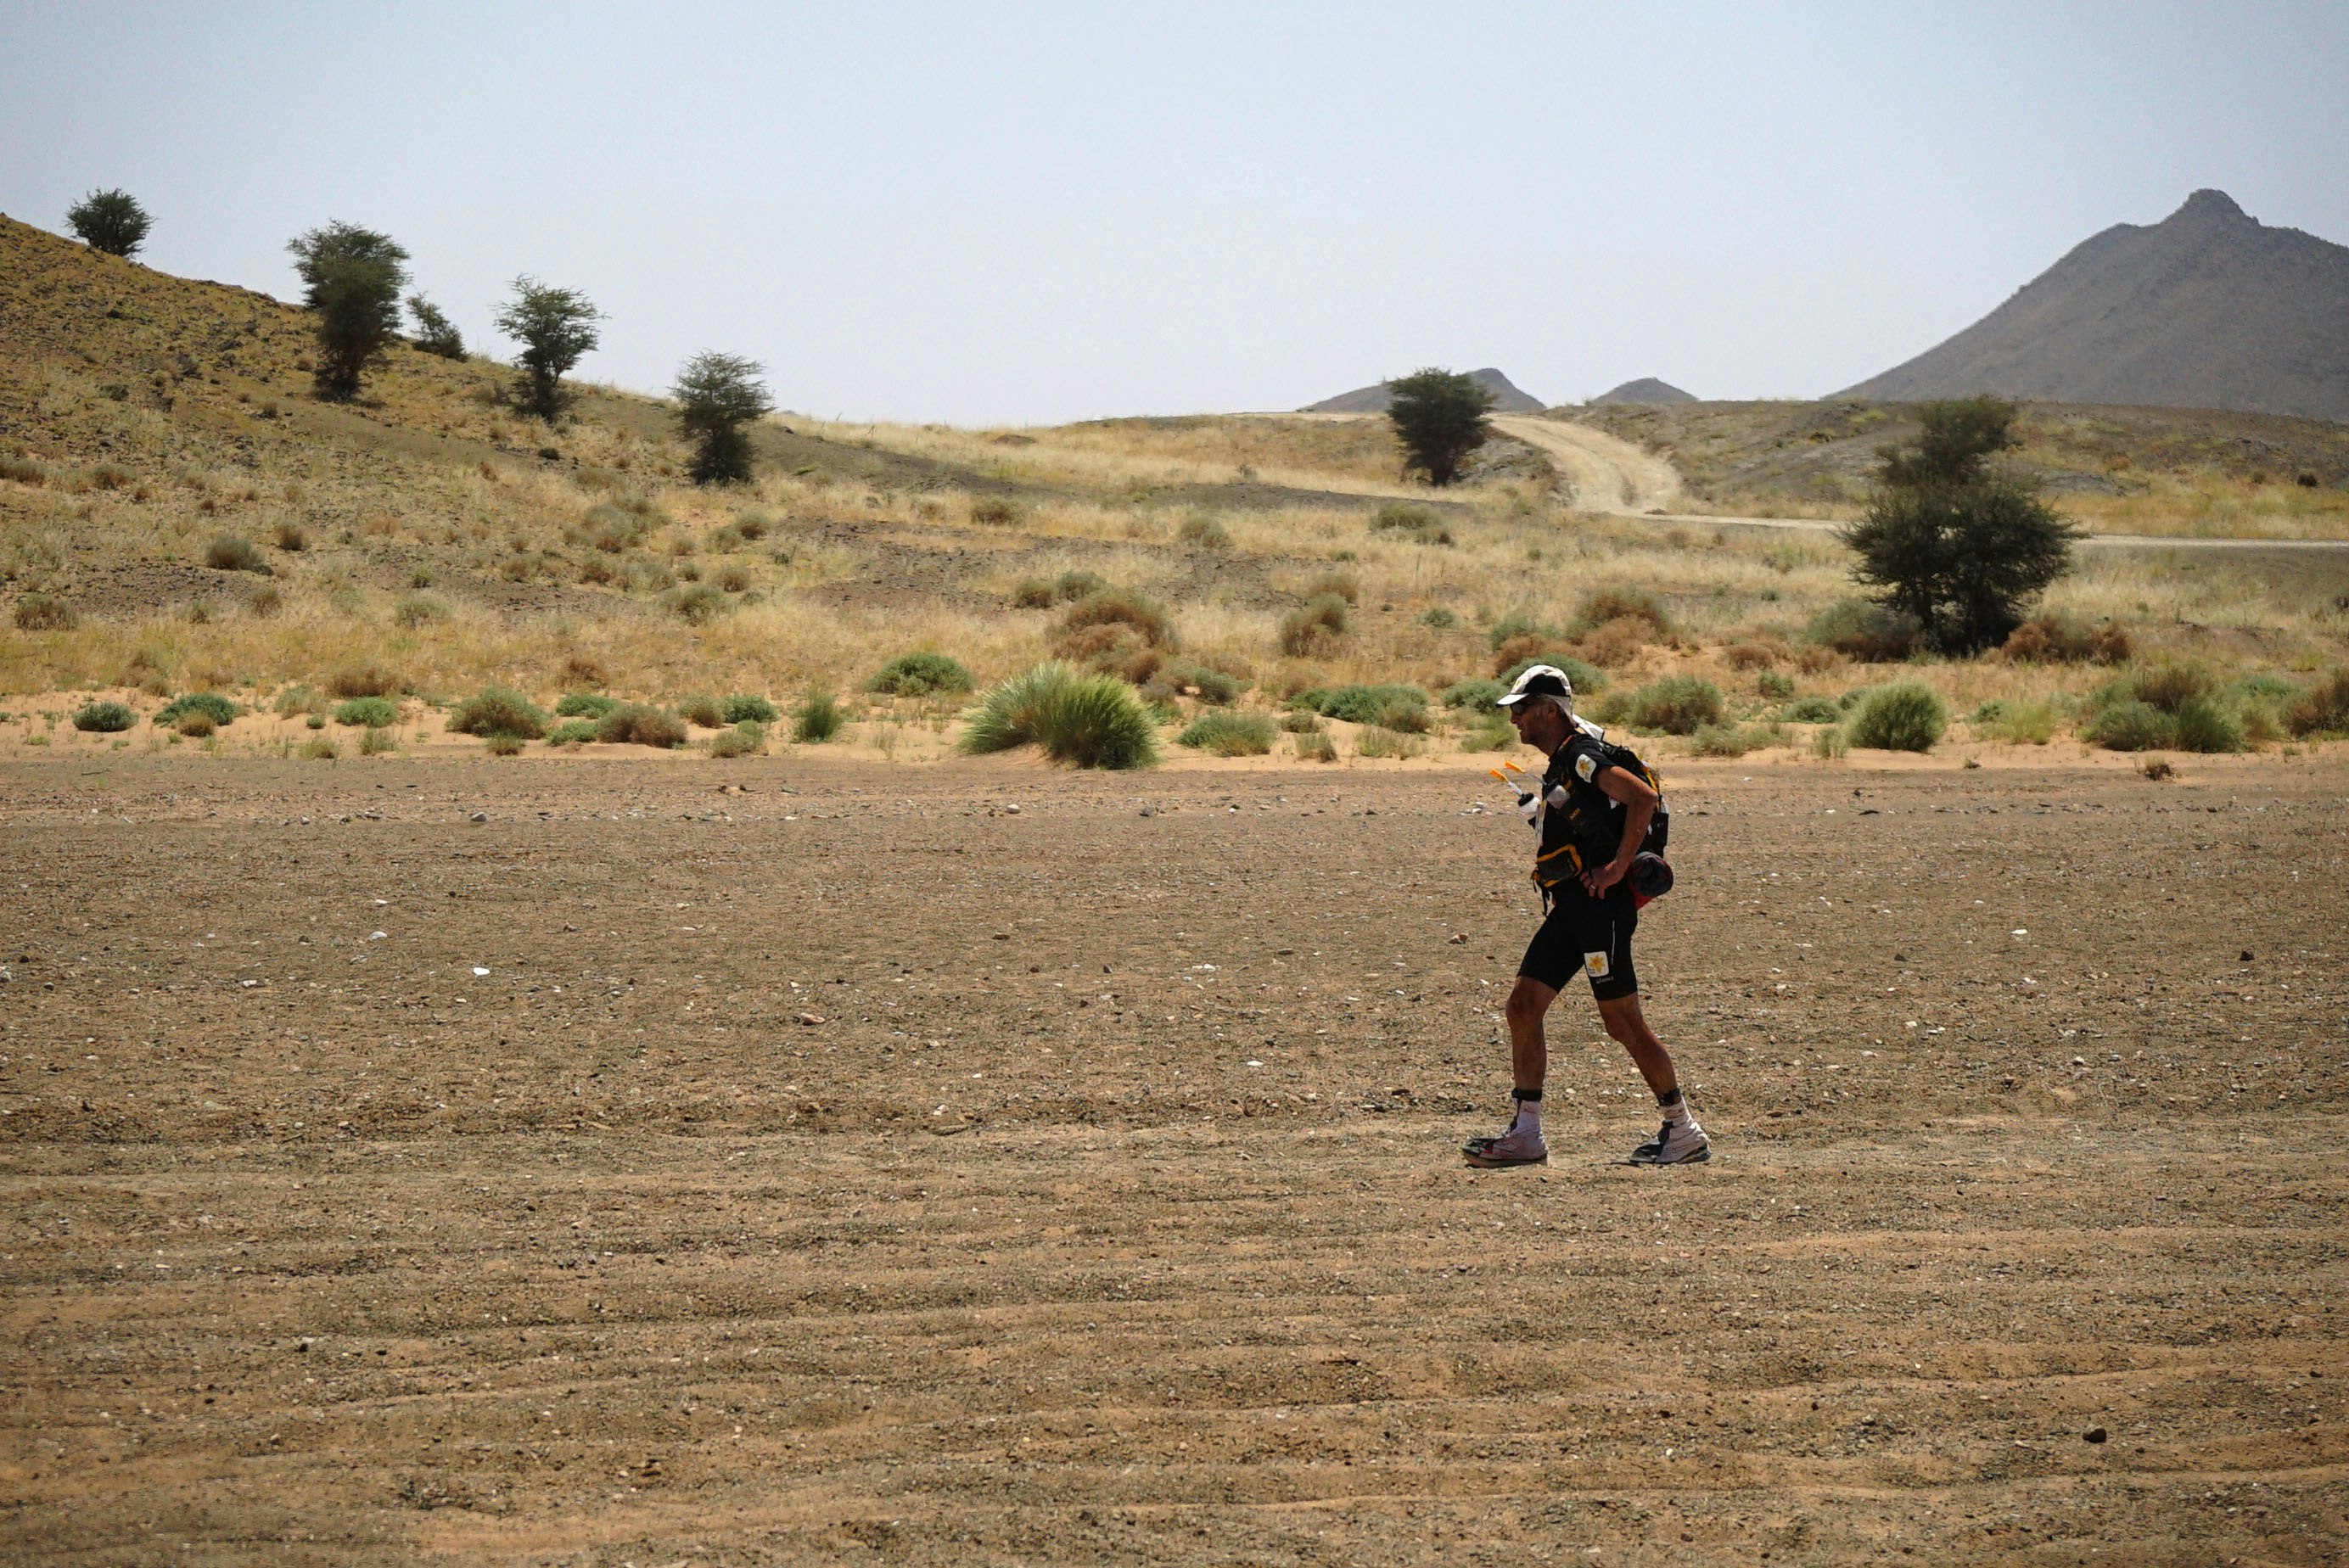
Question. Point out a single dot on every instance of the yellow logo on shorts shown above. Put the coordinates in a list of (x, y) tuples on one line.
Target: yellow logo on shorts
[(1597, 962)]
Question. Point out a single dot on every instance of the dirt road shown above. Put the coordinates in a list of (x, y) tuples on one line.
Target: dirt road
[(1606, 474), (854, 1169)]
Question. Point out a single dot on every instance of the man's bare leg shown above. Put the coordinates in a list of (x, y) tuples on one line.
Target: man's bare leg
[(1528, 1051), (1628, 1027)]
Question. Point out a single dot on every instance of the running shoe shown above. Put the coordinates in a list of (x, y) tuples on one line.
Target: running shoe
[(1678, 1143), (1518, 1146)]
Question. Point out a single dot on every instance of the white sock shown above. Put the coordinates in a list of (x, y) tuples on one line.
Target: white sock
[(1528, 1118), (1678, 1112)]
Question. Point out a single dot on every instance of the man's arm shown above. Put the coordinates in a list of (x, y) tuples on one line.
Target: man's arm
[(1639, 803)]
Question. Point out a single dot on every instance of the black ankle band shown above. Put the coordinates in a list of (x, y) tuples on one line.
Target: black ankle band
[(1668, 1100), (1525, 1096)]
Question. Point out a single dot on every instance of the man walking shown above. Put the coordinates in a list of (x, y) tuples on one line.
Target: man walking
[(1602, 827)]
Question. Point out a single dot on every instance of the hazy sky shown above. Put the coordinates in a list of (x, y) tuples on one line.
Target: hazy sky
[(977, 212)]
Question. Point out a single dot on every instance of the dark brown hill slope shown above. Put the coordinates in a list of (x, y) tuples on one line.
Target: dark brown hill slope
[(1647, 389), (2207, 309), (1506, 397)]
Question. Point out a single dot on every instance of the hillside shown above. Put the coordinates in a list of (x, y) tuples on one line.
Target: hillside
[(2127, 470), (1647, 389), (1506, 397), (2207, 309)]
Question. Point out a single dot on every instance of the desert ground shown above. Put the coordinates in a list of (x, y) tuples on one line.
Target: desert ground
[(417, 1159)]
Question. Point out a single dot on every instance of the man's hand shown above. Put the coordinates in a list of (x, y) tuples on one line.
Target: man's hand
[(1599, 879)]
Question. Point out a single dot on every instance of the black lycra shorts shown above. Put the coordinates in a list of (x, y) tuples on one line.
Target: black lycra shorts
[(1591, 936)]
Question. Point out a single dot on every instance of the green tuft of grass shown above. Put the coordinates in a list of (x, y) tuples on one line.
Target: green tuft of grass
[(1420, 524), (230, 554), (1377, 740), (1907, 715), (372, 712), (44, 612), (1474, 695), (501, 744), (1677, 705), (747, 738), (639, 724), (1228, 734), (919, 675), (2131, 726), (702, 712), (572, 732), (375, 742), (104, 718), (499, 710), (818, 719), (1091, 721), (585, 704), (211, 705), (1402, 707), (742, 708), (320, 749), (1316, 747), (1811, 710)]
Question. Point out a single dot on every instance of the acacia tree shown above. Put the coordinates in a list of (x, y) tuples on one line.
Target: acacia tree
[(555, 326), (1438, 417), (1953, 542), (111, 220), (717, 394), (351, 281), (435, 333)]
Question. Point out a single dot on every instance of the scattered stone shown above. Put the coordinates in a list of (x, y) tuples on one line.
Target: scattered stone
[(480, 816), (1458, 939), (1011, 811), (2096, 1434), (1150, 810), (2246, 956), (810, 1017)]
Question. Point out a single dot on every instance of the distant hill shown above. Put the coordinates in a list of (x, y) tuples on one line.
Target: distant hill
[(1647, 389), (2208, 308), (1507, 398)]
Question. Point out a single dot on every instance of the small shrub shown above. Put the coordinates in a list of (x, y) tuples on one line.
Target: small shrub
[(1227, 733), (1864, 630), (1811, 710), (1313, 626), (734, 580), (1316, 747), (1752, 655), (112, 476), (502, 745), (741, 708), (998, 512), (362, 680), (2054, 638), (2203, 725), (230, 554), (1606, 605), (1773, 685), (376, 741), (572, 732), (1474, 694), (1394, 706), (699, 604), (1829, 745), (745, 739), (2170, 685), (315, 721), (1491, 732), (219, 709), (702, 712), (1519, 623), (1341, 583), (104, 718), (24, 470), (1205, 529), (1377, 741), (585, 704), (1301, 721), (296, 699), (1440, 618), (498, 711), (414, 613), (264, 600), (293, 538), (1907, 715), (1032, 594), (45, 612), (638, 724), (818, 719), (2131, 726), (1090, 721), (754, 524), (1617, 643), (2022, 723), (1677, 705), (919, 675), (1419, 523), (369, 712), (2158, 768), (320, 749), (1583, 678), (2322, 710), (1719, 740)]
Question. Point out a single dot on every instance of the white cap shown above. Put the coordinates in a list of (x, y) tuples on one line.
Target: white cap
[(1540, 680)]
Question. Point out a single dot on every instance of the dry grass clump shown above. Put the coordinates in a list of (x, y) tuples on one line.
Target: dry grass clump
[(2053, 637), (364, 680), (998, 512), (44, 612), (1116, 631), (293, 538), (1417, 524), (230, 554), (639, 724), (499, 710), (2322, 710), (1314, 627)]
